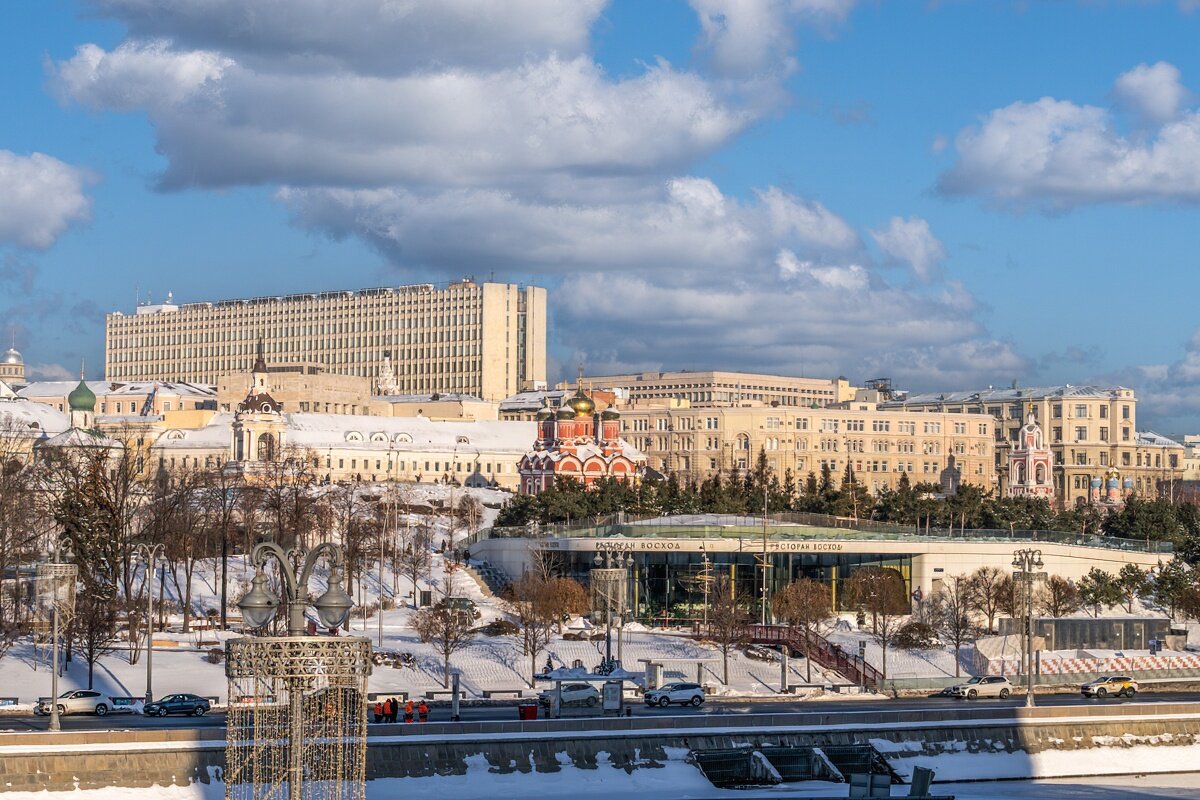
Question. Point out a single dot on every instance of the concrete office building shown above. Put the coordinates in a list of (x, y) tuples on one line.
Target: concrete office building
[(487, 340), (1091, 432)]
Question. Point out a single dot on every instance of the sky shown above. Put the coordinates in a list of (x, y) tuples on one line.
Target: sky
[(952, 194)]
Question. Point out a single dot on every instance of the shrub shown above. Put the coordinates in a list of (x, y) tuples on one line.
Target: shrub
[(916, 636), (216, 655)]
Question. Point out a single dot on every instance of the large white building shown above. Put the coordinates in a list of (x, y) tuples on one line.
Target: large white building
[(483, 339)]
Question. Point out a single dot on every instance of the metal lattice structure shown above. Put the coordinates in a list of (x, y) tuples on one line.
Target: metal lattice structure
[(297, 721), (610, 587), (55, 589)]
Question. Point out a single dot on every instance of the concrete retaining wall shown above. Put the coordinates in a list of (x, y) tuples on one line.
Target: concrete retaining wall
[(65, 761)]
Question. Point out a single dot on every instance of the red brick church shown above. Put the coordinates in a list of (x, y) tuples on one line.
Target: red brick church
[(577, 442)]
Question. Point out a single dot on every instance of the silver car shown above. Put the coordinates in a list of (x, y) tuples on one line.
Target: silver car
[(573, 694), (986, 686), (78, 701)]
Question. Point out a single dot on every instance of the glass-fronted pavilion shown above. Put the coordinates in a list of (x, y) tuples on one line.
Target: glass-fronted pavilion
[(672, 555)]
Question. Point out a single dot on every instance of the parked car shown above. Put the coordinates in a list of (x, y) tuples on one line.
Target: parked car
[(77, 701), (178, 704), (679, 693), (987, 686), (1119, 685), (573, 694)]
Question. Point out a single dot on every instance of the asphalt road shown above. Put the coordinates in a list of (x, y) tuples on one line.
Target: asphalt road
[(716, 706)]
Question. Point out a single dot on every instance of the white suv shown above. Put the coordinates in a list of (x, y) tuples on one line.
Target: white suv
[(573, 694), (682, 693), (79, 701), (988, 686)]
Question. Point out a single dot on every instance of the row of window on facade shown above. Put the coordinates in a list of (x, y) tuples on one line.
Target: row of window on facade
[(638, 424), (437, 466)]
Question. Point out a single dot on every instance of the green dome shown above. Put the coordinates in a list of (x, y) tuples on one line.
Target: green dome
[(545, 413), (610, 413), (565, 413), (82, 398)]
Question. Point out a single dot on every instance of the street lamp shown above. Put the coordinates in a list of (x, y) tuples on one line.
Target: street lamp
[(323, 679), (260, 604), (1026, 562), (150, 555), (61, 578), (611, 573)]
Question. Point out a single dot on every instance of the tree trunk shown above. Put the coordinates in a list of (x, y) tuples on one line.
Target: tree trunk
[(725, 664), (957, 664), (446, 672), (91, 671), (224, 577)]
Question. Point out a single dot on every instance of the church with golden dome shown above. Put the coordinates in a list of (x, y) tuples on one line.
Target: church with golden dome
[(577, 442)]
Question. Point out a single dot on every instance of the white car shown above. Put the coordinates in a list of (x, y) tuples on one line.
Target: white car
[(691, 694), (78, 701), (573, 694), (988, 686)]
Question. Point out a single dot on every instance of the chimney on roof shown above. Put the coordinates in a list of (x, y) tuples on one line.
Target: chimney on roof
[(1014, 383)]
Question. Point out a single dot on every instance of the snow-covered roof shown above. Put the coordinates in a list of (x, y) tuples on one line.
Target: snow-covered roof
[(534, 400), (110, 388), (428, 398), (990, 395), (1152, 439), (38, 418), (80, 438), (216, 434)]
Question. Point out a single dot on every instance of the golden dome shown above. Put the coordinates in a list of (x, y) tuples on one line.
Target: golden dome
[(581, 404)]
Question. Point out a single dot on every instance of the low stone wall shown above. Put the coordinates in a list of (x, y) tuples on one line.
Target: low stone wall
[(986, 742)]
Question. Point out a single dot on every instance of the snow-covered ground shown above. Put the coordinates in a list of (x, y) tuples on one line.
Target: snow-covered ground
[(675, 781)]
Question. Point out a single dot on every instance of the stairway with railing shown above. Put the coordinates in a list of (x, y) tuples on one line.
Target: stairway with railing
[(819, 649)]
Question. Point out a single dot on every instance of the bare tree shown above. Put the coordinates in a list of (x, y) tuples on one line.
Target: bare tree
[(414, 555), (989, 593), (954, 604), (468, 512), (805, 604), (1060, 597), (881, 592), (526, 600), (728, 616), (22, 524), (565, 598), (447, 629), (219, 495), (93, 628), (183, 531), (288, 500)]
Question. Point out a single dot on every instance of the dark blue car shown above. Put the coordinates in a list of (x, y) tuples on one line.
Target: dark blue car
[(178, 704)]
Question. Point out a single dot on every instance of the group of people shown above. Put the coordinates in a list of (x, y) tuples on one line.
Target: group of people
[(387, 710)]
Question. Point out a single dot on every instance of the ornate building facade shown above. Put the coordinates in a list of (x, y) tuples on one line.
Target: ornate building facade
[(1031, 466), (577, 442)]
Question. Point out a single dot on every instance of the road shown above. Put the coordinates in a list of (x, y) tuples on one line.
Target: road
[(716, 706)]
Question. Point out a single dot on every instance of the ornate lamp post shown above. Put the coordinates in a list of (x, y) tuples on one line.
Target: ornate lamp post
[(1026, 562), (57, 580), (297, 703), (150, 556), (608, 580)]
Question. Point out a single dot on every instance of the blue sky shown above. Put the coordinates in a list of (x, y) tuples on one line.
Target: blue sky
[(954, 194)]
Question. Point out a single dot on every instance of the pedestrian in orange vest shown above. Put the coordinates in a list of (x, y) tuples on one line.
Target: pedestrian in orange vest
[(408, 711), (378, 711), (423, 712)]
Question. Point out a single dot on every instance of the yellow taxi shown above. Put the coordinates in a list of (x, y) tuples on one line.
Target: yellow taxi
[(1117, 685)]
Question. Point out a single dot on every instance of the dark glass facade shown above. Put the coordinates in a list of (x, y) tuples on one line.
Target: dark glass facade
[(670, 585)]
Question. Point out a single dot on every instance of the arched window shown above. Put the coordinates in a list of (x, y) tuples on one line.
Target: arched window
[(266, 447), (353, 436), (743, 442), (1040, 473)]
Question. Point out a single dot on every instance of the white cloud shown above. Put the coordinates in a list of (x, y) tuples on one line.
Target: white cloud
[(41, 197), (748, 37), (367, 36), (910, 241), (464, 137), (221, 123), (1153, 92), (49, 372), (1056, 153)]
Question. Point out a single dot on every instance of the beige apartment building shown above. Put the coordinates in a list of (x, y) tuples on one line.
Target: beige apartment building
[(1091, 431), (697, 442), (724, 388), (126, 399), (483, 339)]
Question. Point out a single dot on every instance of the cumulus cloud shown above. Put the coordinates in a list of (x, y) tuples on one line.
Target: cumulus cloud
[(1058, 154), (221, 123), (748, 37), (910, 241), (463, 137), (1153, 92), (367, 36), (41, 198)]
